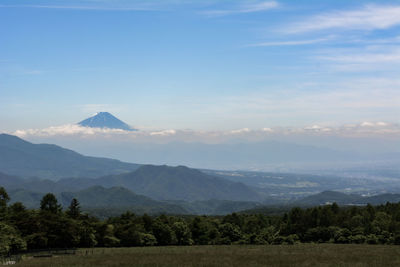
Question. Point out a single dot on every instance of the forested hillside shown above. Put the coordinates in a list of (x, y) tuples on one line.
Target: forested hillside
[(50, 227)]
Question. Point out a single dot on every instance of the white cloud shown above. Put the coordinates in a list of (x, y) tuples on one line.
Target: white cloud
[(291, 43), (267, 130), (381, 55), (367, 124), (68, 130), (361, 59), (370, 17), (76, 131), (247, 8), (140, 7), (163, 133), (240, 131), (374, 124)]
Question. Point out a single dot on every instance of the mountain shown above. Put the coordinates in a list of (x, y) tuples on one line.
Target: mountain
[(382, 199), (10, 182), (328, 197), (105, 120), (22, 158), (104, 202), (157, 182), (179, 183), (98, 197), (216, 207), (169, 183)]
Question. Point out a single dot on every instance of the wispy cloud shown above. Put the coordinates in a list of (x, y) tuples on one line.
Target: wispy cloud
[(244, 8), (136, 7), (370, 17), (382, 58), (388, 56), (290, 43)]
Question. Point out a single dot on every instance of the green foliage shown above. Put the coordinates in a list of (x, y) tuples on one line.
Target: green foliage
[(50, 204), (87, 235), (10, 240), (230, 233), (74, 209), (147, 239), (50, 227), (182, 233), (163, 233), (4, 198)]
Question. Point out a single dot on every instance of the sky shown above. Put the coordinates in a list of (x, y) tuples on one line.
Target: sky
[(210, 67)]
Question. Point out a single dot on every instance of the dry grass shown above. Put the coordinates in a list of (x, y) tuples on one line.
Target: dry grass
[(297, 255)]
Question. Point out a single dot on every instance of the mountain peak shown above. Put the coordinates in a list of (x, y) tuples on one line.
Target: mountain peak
[(105, 120)]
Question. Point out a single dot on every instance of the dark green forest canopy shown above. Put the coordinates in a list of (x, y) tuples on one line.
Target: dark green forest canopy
[(51, 227)]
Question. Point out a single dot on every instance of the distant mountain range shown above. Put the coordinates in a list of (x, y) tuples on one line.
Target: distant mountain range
[(21, 158), (98, 197), (179, 183), (28, 171), (105, 120), (104, 202), (328, 197), (157, 182)]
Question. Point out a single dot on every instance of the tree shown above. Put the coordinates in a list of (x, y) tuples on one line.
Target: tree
[(182, 233), (163, 233), (74, 209), (10, 241), (202, 231), (105, 235), (21, 218), (129, 235), (148, 240), (87, 235), (230, 232), (49, 203), (4, 198)]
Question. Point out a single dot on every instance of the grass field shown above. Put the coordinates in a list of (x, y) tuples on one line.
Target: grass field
[(285, 255)]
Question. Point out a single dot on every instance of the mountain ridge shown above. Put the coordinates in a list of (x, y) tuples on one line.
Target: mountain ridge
[(179, 183), (22, 158)]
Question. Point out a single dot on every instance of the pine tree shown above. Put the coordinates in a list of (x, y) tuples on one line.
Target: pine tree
[(49, 203), (74, 209)]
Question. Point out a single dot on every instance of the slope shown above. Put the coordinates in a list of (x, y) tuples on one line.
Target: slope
[(179, 183), (22, 158)]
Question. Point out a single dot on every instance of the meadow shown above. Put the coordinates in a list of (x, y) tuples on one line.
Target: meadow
[(234, 255)]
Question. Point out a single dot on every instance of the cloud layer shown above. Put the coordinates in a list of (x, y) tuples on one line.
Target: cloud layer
[(364, 129)]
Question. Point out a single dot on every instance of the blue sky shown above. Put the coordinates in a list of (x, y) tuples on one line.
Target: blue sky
[(200, 65)]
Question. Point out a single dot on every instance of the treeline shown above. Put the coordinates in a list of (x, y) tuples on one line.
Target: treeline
[(51, 227)]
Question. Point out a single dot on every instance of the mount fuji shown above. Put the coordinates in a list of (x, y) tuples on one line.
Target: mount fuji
[(105, 120)]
